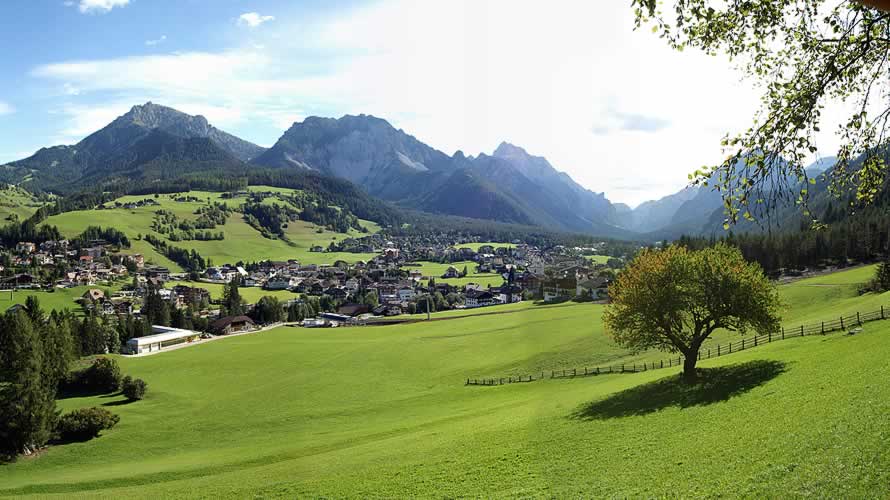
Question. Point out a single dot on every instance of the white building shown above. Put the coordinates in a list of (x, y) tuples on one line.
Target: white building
[(163, 337), (406, 294)]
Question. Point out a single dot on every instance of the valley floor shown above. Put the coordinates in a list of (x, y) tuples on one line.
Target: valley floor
[(382, 411)]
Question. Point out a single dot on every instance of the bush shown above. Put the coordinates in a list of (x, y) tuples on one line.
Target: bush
[(102, 376), (85, 423), (134, 389)]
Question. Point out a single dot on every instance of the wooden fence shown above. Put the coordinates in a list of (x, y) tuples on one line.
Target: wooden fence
[(821, 328)]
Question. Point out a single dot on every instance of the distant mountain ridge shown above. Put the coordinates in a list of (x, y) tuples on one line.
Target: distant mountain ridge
[(508, 186), (147, 133), (152, 143)]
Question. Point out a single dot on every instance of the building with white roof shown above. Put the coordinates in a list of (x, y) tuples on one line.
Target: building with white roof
[(162, 337)]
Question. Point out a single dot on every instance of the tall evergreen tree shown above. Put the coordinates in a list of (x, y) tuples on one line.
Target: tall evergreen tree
[(27, 405)]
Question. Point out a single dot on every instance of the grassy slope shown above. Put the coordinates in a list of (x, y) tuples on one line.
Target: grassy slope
[(242, 242), (381, 411), (17, 201)]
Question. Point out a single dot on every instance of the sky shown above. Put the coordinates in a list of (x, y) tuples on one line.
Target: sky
[(570, 80)]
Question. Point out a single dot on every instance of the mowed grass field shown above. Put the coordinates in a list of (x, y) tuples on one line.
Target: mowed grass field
[(241, 243), (437, 269), (382, 411)]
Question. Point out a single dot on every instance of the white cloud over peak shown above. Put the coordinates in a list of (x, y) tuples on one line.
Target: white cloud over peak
[(616, 109), (156, 41), (86, 6), (6, 108), (253, 19)]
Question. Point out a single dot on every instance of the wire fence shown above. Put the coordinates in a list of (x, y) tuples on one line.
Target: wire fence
[(842, 323)]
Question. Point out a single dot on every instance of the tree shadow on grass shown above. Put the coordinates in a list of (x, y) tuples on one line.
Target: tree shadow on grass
[(714, 385), (121, 402)]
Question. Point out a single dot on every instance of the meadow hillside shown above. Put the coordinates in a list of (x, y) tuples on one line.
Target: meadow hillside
[(382, 411), (17, 203), (241, 241)]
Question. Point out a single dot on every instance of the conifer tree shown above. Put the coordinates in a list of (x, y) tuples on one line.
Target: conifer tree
[(27, 405)]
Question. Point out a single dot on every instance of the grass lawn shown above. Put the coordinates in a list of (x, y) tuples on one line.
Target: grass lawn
[(598, 259), (242, 242), (58, 299), (381, 411), (250, 294), (436, 270), (475, 246)]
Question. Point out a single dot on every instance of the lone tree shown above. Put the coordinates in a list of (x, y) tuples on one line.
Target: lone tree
[(673, 299), (803, 54)]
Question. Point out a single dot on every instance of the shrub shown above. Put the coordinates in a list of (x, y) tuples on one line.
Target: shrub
[(134, 389), (102, 376), (85, 423)]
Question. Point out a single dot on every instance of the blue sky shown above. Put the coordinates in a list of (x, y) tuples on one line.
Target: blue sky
[(569, 79)]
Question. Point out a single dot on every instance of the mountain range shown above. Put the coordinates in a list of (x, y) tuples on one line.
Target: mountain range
[(153, 142)]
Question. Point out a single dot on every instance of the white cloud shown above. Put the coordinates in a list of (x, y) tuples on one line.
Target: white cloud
[(156, 41), (86, 6), (253, 19), (461, 75), (6, 108)]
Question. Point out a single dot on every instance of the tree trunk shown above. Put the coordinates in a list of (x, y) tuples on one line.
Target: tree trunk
[(689, 374)]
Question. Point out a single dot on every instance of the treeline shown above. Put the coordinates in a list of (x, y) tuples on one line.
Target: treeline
[(190, 260), (330, 191), (862, 238), (270, 220), (108, 234), (28, 230), (37, 352)]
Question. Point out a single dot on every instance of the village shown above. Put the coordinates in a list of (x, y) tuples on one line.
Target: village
[(394, 283)]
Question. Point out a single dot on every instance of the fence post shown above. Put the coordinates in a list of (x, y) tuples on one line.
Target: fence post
[(755, 341), (661, 363), (770, 337), (823, 328), (468, 381), (622, 367), (574, 372), (730, 347), (743, 345), (801, 330), (882, 312), (842, 322), (670, 362), (709, 353), (718, 349), (858, 320), (783, 333)]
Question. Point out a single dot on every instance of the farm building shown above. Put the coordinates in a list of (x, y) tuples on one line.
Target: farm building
[(163, 337), (231, 324)]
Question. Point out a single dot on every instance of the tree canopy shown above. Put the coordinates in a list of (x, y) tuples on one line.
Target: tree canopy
[(674, 299), (803, 54)]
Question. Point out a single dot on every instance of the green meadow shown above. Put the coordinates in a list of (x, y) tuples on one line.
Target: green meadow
[(437, 269), (18, 203), (241, 242), (475, 246), (382, 411)]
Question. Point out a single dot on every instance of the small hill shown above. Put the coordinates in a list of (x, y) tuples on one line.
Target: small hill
[(241, 241)]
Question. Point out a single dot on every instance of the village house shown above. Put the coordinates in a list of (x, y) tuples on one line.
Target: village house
[(451, 272), (25, 247), (480, 298), (232, 324)]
